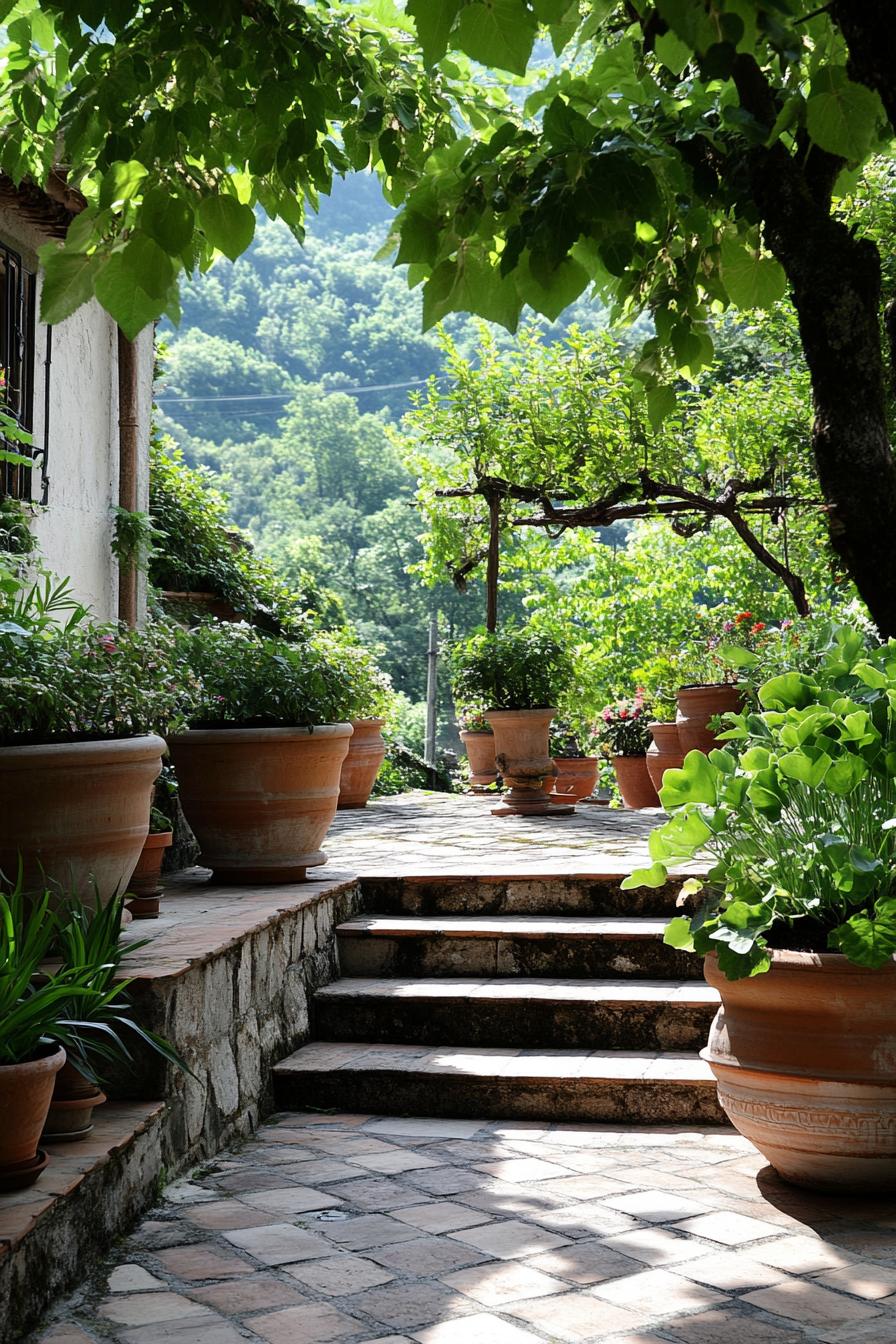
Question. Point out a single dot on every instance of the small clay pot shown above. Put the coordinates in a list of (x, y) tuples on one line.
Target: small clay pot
[(70, 1116), (803, 1056), (521, 755), (260, 800), (575, 778), (25, 1093), (145, 886), (480, 749), (634, 782), (664, 752), (696, 706), (366, 753)]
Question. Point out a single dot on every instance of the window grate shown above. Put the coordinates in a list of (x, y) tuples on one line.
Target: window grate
[(17, 331)]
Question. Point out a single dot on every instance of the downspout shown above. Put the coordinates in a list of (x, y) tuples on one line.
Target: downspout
[(128, 427)]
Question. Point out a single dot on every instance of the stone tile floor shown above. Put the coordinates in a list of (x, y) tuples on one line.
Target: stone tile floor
[(358, 1230)]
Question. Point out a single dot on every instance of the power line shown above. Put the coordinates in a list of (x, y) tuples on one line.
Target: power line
[(286, 396)]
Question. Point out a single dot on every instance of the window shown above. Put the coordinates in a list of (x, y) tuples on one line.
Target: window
[(17, 331)]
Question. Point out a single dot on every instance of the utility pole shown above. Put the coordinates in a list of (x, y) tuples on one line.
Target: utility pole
[(432, 691)]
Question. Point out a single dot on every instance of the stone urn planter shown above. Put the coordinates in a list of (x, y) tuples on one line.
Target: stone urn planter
[(575, 778), (77, 812), (366, 753), (664, 752), (25, 1093), (696, 706), (480, 749), (145, 886), (805, 1058), (260, 800), (74, 1099), (521, 756), (634, 782)]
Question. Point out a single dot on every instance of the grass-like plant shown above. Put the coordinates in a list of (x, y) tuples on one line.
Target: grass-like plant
[(798, 816), (515, 668)]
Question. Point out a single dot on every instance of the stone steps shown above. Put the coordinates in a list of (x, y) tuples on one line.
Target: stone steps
[(627, 1087), (530, 1013), (545, 894), (510, 945)]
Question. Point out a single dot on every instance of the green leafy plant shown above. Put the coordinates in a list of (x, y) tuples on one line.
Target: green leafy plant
[(471, 719), (623, 727), (246, 679), (798, 817), (565, 742), (159, 824), (515, 668), (66, 678), (134, 537)]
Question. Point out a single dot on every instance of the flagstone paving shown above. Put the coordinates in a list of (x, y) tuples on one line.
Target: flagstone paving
[(366, 1230)]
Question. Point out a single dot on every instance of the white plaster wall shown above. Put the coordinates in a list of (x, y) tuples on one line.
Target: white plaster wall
[(75, 530)]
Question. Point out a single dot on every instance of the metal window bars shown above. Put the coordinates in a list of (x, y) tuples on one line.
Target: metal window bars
[(17, 338)]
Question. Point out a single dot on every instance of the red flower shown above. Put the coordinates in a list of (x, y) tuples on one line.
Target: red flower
[(623, 713), (744, 616), (755, 629)]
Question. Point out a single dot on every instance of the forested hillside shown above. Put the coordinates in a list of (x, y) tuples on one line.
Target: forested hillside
[(251, 389)]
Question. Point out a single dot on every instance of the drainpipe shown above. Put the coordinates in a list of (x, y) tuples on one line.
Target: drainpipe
[(127, 469)]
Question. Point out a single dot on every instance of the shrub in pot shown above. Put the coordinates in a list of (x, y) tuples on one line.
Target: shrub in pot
[(518, 674), (709, 686), (576, 772), (367, 746), (81, 705), (624, 734), (479, 744), (799, 929), (259, 765)]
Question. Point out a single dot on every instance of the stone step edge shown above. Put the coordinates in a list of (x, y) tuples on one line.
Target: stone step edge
[(532, 927), (504, 989)]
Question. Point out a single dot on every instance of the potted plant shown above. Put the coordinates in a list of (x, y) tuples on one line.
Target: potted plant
[(518, 675), (664, 751), (576, 772), (99, 1019), (479, 744), (145, 886), (367, 746), (799, 929), (709, 685), (81, 706), (259, 765), (623, 731)]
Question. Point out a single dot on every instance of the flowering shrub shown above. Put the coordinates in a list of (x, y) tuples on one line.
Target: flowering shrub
[(714, 658), (66, 678), (471, 719), (623, 727)]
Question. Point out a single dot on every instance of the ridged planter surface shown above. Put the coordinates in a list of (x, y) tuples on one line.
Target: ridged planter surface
[(78, 812), (480, 749), (805, 1058), (696, 706), (74, 1099), (260, 800), (25, 1094), (366, 753), (575, 779), (664, 752), (634, 782), (521, 755)]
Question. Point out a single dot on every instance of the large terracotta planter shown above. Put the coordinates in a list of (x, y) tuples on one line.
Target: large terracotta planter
[(145, 885), (366, 753), (521, 755), (74, 1099), (260, 800), (25, 1093), (805, 1058), (77, 812), (575, 779), (480, 749), (664, 752), (634, 782), (696, 706)]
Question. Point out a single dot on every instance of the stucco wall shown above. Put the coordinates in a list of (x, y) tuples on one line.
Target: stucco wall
[(75, 529)]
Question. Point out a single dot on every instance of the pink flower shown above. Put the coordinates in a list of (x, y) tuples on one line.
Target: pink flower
[(728, 627), (107, 644)]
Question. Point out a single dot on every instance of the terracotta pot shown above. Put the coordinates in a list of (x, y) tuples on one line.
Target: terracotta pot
[(805, 1058), (634, 782), (366, 753), (70, 1116), (664, 752), (480, 749), (575, 778), (145, 885), (25, 1093), (260, 800), (78, 812), (521, 755), (696, 706)]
